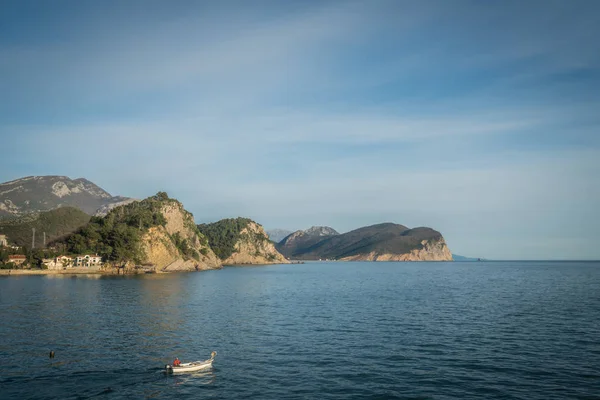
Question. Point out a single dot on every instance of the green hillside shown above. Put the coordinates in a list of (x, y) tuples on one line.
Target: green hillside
[(117, 236), (56, 223), (224, 234)]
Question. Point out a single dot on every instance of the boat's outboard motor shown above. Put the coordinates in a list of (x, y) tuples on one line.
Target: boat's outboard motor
[(168, 368)]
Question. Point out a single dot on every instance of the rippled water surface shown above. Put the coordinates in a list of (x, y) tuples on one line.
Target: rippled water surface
[(518, 330)]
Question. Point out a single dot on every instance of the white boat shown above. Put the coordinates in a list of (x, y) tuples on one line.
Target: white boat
[(192, 366)]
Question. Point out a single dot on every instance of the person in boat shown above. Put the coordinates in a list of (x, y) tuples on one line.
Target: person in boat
[(176, 363)]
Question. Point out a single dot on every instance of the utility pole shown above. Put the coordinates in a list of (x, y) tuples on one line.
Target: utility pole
[(33, 239), (44, 239)]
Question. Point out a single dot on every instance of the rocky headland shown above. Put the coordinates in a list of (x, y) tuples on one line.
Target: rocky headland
[(241, 241), (381, 242), (159, 235)]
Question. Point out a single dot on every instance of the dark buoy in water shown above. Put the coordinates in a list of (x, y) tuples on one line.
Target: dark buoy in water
[(51, 354)]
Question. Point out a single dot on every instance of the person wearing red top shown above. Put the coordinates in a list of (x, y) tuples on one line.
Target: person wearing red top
[(176, 363)]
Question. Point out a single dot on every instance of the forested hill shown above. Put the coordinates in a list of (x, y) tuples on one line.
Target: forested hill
[(157, 231), (55, 224)]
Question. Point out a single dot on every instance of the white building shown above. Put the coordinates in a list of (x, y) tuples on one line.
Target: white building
[(60, 262), (3, 241), (88, 261)]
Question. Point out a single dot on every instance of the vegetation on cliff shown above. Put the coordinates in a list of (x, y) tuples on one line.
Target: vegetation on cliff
[(55, 223), (224, 234), (240, 241), (117, 237)]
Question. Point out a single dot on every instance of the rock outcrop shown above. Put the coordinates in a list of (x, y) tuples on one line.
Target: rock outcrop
[(429, 250), (252, 248), (239, 241), (162, 245)]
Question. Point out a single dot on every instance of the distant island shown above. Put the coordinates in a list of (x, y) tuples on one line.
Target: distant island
[(57, 225), (381, 242)]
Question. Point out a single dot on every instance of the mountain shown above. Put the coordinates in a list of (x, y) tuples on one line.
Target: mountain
[(381, 242), (54, 223), (298, 242), (241, 241), (44, 193), (276, 235), (157, 231)]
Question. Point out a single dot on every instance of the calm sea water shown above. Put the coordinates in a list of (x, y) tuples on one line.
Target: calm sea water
[(514, 330)]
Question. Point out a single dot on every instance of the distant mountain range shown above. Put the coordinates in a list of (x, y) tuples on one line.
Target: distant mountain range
[(296, 244), (35, 194), (276, 235), (381, 242), (59, 205)]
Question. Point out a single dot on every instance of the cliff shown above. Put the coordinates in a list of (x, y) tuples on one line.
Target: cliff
[(434, 249), (241, 241), (156, 232), (178, 245)]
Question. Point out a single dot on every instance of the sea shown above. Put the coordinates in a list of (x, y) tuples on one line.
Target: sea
[(319, 330)]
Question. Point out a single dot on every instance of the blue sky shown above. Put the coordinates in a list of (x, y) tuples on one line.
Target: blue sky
[(477, 118)]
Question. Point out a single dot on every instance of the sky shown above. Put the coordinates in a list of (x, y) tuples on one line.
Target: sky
[(480, 119)]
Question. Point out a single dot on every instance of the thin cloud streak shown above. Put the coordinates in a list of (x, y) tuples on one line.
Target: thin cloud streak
[(479, 121)]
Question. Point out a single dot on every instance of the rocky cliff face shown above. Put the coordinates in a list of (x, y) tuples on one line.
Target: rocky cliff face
[(253, 247), (241, 241), (162, 245), (430, 250)]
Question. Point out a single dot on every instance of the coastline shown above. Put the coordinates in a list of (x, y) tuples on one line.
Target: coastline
[(71, 271)]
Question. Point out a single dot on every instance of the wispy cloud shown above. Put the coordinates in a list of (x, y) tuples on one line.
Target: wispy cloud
[(476, 119)]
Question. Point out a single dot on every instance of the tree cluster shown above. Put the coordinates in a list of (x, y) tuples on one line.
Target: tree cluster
[(223, 235), (117, 236)]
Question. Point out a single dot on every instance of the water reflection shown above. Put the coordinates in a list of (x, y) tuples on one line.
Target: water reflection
[(72, 276), (195, 378)]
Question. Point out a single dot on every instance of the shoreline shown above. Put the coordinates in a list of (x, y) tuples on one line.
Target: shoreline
[(73, 271)]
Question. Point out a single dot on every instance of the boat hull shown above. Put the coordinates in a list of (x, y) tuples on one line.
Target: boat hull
[(190, 367)]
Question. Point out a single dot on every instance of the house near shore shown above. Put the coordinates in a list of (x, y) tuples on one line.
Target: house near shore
[(65, 262), (17, 259), (88, 261), (60, 262), (3, 241)]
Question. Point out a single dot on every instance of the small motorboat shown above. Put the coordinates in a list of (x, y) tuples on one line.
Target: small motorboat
[(192, 366)]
